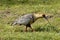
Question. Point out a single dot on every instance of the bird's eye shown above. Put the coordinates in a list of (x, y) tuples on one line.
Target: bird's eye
[(43, 15)]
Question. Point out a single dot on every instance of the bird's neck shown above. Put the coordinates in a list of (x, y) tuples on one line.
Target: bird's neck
[(37, 16)]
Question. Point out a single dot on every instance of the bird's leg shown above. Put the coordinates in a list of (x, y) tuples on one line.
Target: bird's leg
[(26, 29), (28, 25), (32, 29)]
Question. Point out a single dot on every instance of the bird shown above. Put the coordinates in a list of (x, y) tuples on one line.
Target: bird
[(28, 19)]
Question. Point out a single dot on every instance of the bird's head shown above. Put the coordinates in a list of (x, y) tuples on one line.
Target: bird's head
[(46, 16), (39, 15)]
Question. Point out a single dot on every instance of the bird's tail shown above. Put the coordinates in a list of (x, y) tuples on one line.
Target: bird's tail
[(13, 23)]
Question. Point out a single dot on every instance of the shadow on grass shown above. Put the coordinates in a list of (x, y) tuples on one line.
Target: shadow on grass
[(42, 29), (48, 28)]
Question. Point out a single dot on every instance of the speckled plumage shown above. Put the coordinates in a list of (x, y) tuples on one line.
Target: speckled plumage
[(24, 20)]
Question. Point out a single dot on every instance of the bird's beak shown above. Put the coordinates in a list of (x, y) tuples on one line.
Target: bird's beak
[(46, 18)]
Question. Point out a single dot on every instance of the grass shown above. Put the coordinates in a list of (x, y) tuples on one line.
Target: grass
[(11, 9), (30, 36)]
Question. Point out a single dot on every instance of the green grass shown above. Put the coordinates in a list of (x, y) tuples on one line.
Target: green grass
[(30, 36), (11, 9)]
